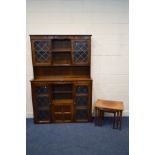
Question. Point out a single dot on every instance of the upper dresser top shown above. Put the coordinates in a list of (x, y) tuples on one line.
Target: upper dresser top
[(61, 55)]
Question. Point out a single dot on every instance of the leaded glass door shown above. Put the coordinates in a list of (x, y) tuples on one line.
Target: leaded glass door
[(42, 102), (80, 52), (41, 52), (82, 101)]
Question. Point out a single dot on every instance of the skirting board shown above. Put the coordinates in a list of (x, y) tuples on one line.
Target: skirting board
[(125, 113)]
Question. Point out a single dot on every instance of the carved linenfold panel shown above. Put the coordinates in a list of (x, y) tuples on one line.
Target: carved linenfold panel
[(41, 51), (80, 52)]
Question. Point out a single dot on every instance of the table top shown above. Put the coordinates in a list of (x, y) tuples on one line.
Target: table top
[(111, 105)]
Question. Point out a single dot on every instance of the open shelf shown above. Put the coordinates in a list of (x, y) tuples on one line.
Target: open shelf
[(58, 96), (62, 87), (61, 44), (61, 58), (63, 71), (61, 52)]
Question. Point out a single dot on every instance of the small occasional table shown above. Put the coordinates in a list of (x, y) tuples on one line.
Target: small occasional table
[(115, 107)]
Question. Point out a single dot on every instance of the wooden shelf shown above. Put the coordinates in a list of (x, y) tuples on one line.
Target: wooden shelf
[(61, 50), (62, 101), (57, 92), (61, 64)]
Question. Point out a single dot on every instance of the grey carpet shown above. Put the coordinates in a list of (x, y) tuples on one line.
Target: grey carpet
[(77, 139)]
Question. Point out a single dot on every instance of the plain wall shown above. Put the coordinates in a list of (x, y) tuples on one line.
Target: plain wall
[(107, 21)]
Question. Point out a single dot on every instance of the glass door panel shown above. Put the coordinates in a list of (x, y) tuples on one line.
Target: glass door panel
[(80, 52), (41, 52)]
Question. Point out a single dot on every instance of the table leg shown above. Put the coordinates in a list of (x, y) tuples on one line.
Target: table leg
[(117, 119), (120, 119), (114, 120), (103, 117), (98, 120), (102, 114), (95, 116), (99, 117)]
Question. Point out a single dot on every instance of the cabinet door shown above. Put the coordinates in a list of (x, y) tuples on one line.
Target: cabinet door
[(82, 101), (41, 103), (41, 52), (67, 113), (62, 112), (81, 52), (57, 113)]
